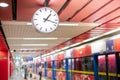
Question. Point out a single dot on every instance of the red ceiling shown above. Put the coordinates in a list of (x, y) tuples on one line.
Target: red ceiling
[(26, 8), (6, 13), (75, 11), (105, 12)]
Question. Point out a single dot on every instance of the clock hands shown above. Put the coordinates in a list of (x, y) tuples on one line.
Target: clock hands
[(49, 20)]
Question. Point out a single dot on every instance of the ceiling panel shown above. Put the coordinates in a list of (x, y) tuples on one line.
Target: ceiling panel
[(117, 20), (16, 32), (108, 8), (107, 17), (70, 10), (26, 11), (92, 6)]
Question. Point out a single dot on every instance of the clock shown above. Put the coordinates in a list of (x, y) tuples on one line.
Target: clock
[(45, 20)]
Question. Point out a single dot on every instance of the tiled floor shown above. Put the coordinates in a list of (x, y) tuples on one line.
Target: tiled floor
[(19, 75)]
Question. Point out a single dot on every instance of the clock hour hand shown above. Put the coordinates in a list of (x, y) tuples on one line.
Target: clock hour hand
[(50, 20)]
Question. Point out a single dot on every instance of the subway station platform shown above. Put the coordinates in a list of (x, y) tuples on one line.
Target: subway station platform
[(19, 75)]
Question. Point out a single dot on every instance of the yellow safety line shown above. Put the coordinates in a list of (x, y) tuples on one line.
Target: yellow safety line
[(87, 72), (91, 73), (82, 72), (60, 70), (56, 69), (49, 68), (112, 74), (102, 73), (118, 75), (109, 74)]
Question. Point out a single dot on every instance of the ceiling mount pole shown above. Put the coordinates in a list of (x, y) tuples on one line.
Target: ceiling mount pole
[(64, 6), (46, 2), (14, 9)]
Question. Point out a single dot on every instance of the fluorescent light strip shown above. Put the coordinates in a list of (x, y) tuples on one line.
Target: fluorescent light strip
[(68, 24), (52, 38), (34, 38), (62, 24), (48, 38), (112, 31), (72, 24), (29, 45), (34, 44)]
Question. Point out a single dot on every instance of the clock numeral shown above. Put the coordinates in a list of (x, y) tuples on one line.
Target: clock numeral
[(54, 14), (35, 19), (40, 28), (36, 24), (51, 28), (46, 29), (56, 19), (45, 9), (40, 11), (50, 11), (36, 14), (54, 24)]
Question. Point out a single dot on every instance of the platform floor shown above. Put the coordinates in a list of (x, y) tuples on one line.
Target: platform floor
[(19, 75)]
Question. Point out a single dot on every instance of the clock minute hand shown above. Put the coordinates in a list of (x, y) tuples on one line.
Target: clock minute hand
[(47, 18)]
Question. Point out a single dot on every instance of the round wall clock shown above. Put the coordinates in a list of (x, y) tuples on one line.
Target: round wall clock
[(45, 20)]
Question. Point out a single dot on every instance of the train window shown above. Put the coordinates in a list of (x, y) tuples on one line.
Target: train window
[(49, 64), (84, 63), (102, 63), (111, 63), (59, 64), (102, 66), (111, 66), (77, 64), (87, 63)]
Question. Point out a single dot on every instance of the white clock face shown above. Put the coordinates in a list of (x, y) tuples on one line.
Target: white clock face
[(45, 20)]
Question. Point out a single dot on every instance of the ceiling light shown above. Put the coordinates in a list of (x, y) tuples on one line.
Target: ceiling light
[(62, 24), (3, 4), (29, 45), (112, 31), (47, 38), (73, 24), (34, 44), (52, 38), (68, 24), (104, 34)]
